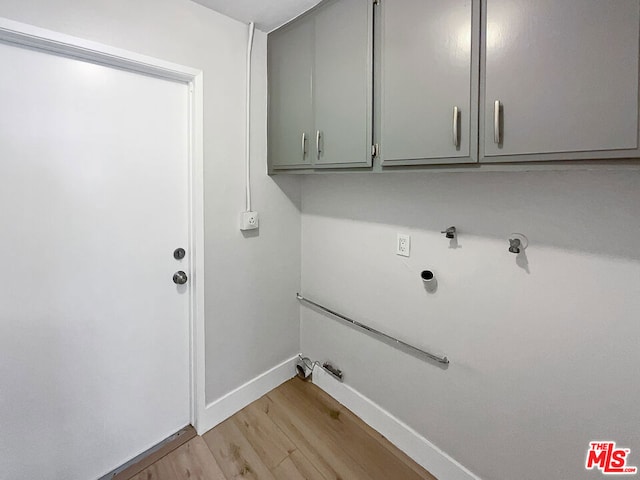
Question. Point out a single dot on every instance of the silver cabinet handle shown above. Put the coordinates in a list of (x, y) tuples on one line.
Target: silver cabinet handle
[(304, 144), (496, 122), (318, 138), (456, 142)]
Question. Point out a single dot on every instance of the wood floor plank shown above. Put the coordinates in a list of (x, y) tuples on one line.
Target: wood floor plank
[(287, 471), (194, 461), (309, 447), (385, 443), (183, 437), (295, 432), (329, 415), (348, 427), (234, 454), (304, 466), (322, 450), (296, 467), (160, 470), (265, 437), (348, 416)]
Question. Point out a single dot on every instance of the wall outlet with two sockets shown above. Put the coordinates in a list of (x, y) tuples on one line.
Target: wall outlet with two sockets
[(403, 245)]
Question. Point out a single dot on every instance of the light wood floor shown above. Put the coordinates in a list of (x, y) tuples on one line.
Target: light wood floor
[(294, 432)]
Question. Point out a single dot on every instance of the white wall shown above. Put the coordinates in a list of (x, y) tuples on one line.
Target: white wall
[(251, 312), (544, 356), (542, 361)]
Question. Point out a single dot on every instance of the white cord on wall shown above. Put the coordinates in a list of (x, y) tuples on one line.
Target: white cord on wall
[(249, 219), (248, 119)]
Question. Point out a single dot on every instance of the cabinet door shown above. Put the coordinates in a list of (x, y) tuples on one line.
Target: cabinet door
[(290, 103), (429, 57), (343, 80), (565, 74)]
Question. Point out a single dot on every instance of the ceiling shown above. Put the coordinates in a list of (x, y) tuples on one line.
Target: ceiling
[(267, 14)]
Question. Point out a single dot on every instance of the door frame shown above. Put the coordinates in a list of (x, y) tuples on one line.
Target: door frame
[(24, 35)]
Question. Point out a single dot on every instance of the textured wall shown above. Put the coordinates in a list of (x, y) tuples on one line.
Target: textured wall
[(543, 347), (251, 312)]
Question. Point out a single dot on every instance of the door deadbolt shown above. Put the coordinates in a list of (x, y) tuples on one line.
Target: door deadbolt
[(180, 278), (179, 253)]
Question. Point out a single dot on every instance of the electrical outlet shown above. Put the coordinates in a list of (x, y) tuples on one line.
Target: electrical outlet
[(403, 245), (249, 221)]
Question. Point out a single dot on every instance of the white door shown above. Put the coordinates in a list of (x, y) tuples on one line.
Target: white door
[(94, 334)]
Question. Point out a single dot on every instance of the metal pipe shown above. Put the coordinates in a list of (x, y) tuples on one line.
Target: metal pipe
[(438, 358)]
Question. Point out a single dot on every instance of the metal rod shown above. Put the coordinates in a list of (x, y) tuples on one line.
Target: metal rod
[(438, 358)]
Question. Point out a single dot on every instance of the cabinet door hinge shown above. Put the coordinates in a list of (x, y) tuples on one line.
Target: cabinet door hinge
[(374, 150)]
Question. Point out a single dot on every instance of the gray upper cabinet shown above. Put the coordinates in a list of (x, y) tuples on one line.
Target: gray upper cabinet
[(429, 69), (560, 80), (320, 88), (290, 59), (456, 82), (343, 83)]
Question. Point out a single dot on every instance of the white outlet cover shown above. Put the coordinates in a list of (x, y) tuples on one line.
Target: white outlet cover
[(403, 245), (249, 221)]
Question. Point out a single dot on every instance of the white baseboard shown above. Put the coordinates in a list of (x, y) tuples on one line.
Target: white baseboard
[(425, 453), (219, 410)]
